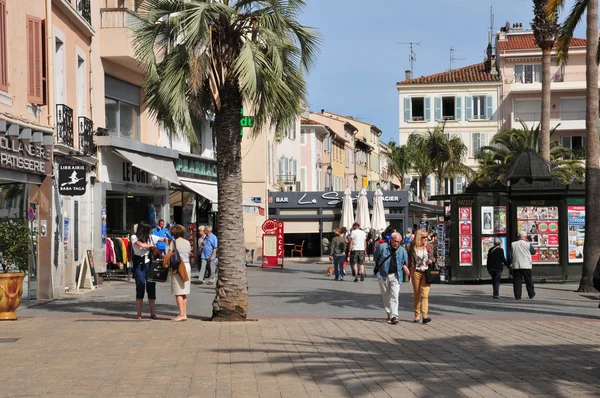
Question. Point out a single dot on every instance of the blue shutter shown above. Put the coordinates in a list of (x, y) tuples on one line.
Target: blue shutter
[(468, 108), (427, 109), (488, 105), (458, 110), (438, 108), (280, 166), (407, 112)]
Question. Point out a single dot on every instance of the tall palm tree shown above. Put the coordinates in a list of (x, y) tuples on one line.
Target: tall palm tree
[(448, 154), (591, 253), (545, 30), (209, 59), (497, 160), (399, 164), (420, 160)]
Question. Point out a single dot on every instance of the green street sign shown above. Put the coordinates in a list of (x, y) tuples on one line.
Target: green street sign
[(245, 121)]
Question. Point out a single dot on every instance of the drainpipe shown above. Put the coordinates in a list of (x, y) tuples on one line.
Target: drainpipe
[(49, 63)]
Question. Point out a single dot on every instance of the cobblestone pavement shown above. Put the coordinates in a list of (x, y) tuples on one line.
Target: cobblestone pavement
[(310, 337)]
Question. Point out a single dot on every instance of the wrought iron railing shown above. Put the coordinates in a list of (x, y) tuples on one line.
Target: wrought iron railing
[(84, 8), (287, 179), (86, 136), (537, 116), (64, 125)]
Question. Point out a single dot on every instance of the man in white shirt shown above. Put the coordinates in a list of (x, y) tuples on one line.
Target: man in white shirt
[(358, 244)]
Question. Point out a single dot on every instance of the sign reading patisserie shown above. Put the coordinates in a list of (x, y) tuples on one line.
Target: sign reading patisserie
[(23, 156)]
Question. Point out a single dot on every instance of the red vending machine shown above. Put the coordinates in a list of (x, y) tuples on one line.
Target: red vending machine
[(272, 244)]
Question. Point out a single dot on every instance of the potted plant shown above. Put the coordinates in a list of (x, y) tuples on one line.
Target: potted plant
[(15, 249)]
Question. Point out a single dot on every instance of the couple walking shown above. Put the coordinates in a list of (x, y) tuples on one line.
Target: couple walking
[(390, 258)]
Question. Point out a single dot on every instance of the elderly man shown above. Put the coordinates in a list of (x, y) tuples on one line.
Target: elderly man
[(521, 252), (389, 258), (209, 255)]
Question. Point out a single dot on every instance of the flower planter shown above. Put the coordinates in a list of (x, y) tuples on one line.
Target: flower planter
[(11, 290)]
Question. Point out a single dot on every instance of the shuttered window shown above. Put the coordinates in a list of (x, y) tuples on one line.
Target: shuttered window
[(3, 57), (35, 90)]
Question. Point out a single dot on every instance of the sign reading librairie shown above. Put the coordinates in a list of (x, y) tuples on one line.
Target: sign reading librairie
[(72, 180)]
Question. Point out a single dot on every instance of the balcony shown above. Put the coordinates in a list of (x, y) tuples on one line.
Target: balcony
[(86, 136), (64, 125), (286, 179), (79, 12), (564, 120), (116, 36), (83, 7), (560, 81)]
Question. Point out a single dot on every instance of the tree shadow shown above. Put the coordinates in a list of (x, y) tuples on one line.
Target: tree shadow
[(428, 367)]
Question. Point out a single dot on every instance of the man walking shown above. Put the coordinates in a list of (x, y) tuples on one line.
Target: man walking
[(358, 244), (162, 232), (521, 252), (389, 257), (209, 255)]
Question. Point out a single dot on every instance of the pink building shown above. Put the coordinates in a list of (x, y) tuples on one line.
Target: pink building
[(312, 143)]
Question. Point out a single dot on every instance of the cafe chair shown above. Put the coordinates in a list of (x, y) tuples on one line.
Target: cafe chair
[(298, 249)]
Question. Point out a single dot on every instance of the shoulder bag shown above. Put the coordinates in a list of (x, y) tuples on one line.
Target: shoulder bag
[(379, 264)]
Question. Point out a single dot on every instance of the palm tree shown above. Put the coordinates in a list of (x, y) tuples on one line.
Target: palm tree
[(420, 160), (208, 59), (447, 154), (545, 30), (399, 164), (591, 252), (496, 160)]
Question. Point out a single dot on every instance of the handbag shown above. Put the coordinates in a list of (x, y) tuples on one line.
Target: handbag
[(182, 271), (432, 276), (172, 259), (156, 272)]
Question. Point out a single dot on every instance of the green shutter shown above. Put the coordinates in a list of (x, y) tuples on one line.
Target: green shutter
[(438, 108), (458, 108), (427, 102), (468, 108), (407, 111), (488, 104)]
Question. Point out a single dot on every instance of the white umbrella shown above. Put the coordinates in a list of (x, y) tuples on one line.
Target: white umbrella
[(362, 211), (378, 223), (347, 211)]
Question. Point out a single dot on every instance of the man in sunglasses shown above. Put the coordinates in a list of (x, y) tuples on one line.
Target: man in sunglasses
[(389, 258)]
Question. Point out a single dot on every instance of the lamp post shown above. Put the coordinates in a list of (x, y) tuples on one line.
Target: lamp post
[(355, 181), (329, 170)]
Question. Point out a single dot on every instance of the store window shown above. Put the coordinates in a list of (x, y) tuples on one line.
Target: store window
[(122, 108)]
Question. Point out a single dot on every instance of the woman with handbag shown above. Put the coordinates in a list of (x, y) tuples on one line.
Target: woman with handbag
[(421, 258), (180, 278), (142, 242)]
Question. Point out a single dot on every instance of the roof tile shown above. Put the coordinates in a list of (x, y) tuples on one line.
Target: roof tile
[(527, 42), (468, 74)]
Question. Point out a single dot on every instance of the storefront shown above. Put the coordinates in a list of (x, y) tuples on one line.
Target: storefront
[(311, 216), (134, 186), (26, 195)]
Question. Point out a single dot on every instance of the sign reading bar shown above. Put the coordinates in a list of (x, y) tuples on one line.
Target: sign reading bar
[(288, 200), (72, 180)]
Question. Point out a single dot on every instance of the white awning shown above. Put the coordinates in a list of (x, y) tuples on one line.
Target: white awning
[(151, 164), (207, 191)]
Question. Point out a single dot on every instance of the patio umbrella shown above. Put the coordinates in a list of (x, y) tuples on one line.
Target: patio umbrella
[(347, 211), (378, 223), (362, 211)]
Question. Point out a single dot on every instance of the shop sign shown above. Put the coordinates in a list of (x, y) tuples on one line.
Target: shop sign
[(272, 247), (576, 221), (195, 168), (331, 199), (22, 156), (135, 175), (72, 180)]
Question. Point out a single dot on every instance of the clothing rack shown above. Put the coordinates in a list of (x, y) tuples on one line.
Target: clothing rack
[(113, 270)]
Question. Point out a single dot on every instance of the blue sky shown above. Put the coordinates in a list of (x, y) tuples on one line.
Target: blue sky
[(360, 62)]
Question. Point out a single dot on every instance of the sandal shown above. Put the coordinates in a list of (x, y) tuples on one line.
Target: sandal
[(153, 316), (179, 318), (138, 317)]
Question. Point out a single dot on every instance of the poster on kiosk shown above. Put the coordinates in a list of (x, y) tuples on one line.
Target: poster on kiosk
[(272, 244)]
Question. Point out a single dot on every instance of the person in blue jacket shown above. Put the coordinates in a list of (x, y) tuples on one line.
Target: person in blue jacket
[(390, 257)]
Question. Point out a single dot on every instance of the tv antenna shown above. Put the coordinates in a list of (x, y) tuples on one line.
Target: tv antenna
[(453, 58), (491, 34), (413, 56)]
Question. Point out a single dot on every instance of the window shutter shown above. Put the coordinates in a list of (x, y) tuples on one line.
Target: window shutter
[(489, 110), (438, 108), (295, 169), (280, 166), (35, 88), (3, 56), (468, 108), (427, 102), (458, 110), (407, 111)]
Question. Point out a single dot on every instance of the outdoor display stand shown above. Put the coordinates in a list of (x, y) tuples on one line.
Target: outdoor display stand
[(272, 244)]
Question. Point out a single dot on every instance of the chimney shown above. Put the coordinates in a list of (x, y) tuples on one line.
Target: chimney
[(407, 74), (306, 113), (322, 111)]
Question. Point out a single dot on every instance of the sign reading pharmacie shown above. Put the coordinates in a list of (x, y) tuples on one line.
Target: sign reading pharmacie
[(72, 180), (20, 155), (288, 200)]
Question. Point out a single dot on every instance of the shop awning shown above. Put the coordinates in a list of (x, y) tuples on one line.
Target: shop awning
[(207, 191), (159, 167)]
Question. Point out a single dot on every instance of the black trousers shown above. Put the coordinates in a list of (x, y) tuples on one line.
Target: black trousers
[(518, 276)]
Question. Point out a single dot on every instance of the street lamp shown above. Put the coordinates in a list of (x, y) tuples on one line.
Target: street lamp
[(355, 181), (329, 170)]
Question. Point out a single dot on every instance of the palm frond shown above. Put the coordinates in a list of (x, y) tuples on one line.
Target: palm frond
[(567, 30)]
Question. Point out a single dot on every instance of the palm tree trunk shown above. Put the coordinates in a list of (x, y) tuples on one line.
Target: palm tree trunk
[(423, 189), (231, 301), (592, 154), (546, 100)]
